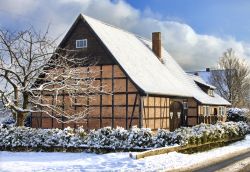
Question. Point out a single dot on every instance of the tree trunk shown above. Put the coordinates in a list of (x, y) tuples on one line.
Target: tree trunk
[(21, 116), (20, 119)]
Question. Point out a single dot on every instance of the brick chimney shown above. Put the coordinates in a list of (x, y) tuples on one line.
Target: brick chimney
[(156, 44)]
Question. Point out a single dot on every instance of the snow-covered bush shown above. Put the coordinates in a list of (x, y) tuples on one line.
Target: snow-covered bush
[(237, 114), (162, 138), (139, 137), (31, 137), (200, 134), (119, 138), (6, 117), (180, 136), (105, 137)]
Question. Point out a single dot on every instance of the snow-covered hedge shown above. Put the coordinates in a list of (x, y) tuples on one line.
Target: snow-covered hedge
[(200, 134), (6, 117), (119, 138), (31, 137), (237, 114)]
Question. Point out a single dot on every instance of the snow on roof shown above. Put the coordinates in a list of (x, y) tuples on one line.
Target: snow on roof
[(205, 75), (139, 62), (200, 80), (135, 56), (187, 81)]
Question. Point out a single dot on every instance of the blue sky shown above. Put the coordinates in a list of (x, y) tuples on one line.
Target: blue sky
[(216, 17), (194, 32)]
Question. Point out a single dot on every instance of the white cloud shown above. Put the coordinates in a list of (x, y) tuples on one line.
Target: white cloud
[(18, 6), (190, 49)]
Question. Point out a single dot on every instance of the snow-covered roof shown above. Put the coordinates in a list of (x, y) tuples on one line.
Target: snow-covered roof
[(135, 56), (187, 81), (200, 80), (205, 75), (139, 62)]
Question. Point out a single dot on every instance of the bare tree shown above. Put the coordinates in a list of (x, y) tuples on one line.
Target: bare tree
[(232, 79), (32, 71)]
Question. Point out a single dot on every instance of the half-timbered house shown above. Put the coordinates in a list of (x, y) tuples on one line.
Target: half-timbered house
[(149, 88)]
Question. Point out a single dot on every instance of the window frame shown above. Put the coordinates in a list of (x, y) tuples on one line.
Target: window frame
[(222, 110), (185, 105), (84, 43), (210, 92), (206, 110)]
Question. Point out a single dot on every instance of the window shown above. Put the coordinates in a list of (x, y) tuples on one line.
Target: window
[(185, 105), (81, 43), (211, 92), (221, 110), (206, 111)]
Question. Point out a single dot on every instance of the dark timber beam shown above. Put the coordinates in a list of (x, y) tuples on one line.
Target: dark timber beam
[(154, 112), (161, 113), (113, 109), (52, 119), (101, 96), (63, 107), (88, 100), (126, 103), (132, 115), (144, 115), (140, 112)]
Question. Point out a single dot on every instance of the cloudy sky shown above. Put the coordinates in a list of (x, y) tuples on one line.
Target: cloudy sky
[(195, 32)]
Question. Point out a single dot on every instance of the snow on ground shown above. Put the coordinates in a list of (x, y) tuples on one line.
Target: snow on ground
[(39, 161)]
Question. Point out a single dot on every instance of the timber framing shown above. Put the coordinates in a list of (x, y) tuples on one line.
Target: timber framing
[(128, 101)]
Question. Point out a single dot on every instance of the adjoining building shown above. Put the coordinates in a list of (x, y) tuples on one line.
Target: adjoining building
[(149, 88)]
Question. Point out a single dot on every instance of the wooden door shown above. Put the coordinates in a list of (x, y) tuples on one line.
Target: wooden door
[(175, 115), (215, 116)]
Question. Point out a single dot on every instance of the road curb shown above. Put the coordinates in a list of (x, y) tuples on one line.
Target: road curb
[(163, 150), (210, 161), (239, 166)]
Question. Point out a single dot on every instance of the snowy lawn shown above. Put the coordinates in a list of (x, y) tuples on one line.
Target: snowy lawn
[(32, 161)]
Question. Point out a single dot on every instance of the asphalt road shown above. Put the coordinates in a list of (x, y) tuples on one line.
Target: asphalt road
[(225, 163)]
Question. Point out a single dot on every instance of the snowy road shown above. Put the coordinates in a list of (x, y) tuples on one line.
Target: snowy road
[(32, 161), (224, 164)]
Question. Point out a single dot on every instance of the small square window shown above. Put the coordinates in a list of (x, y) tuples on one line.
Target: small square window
[(185, 105), (81, 43), (210, 92)]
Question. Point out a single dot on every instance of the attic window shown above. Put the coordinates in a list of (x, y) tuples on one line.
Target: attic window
[(211, 92), (81, 43)]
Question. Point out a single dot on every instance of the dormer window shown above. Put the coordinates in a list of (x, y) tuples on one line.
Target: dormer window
[(211, 92), (81, 43)]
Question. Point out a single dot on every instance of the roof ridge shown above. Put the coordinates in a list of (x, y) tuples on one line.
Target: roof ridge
[(213, 69), (116, 27)]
